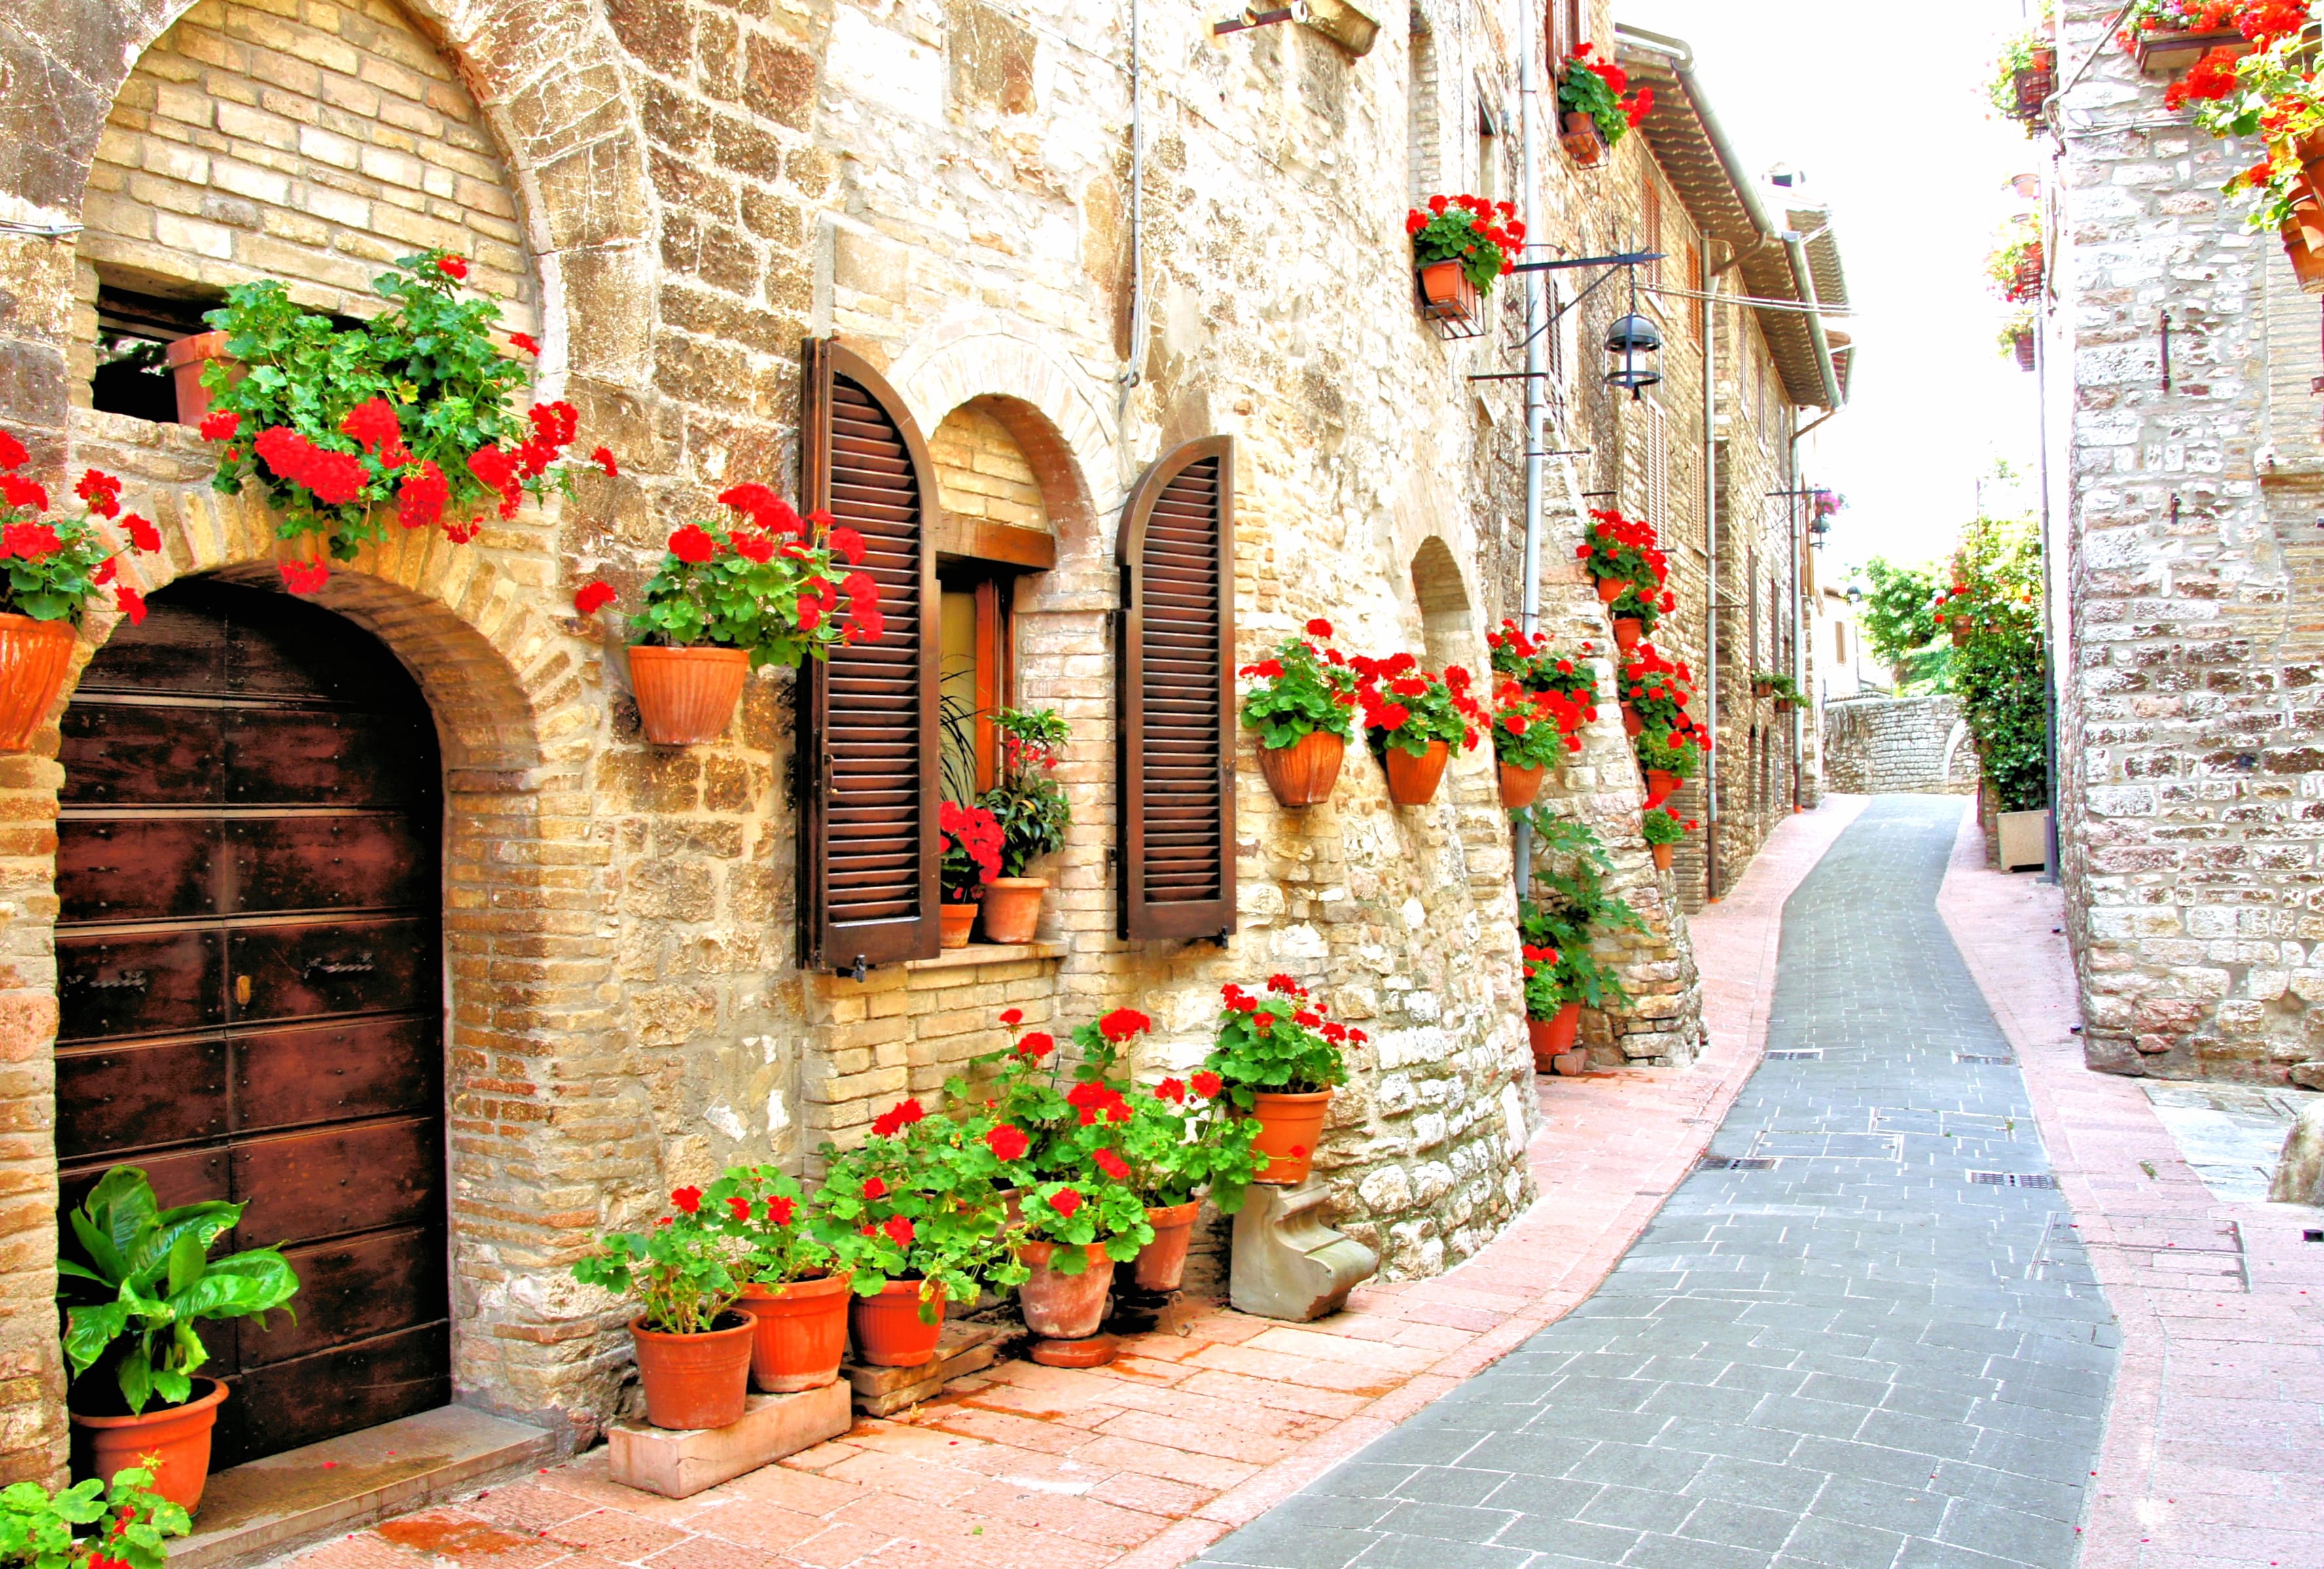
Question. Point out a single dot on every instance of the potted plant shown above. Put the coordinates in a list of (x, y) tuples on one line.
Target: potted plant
[(1662, 829), (1598, 107), (2170, 35), (39, 1529), (1668, 759), (1031, 809), (1552, 1018), (53, 566), (2015, 266), (407, 419), (2017, 337), (1638, 612), (1461, 245), (794, 1281), (1077, 1227), (1655, 693), (1531, 732), (763, 589), (1569, 907), (971, 837), (2024, 76), (1622, 554), (1412, 719), (921, 1196), (1182, 1144), (693, 1349), (1775, 684), (145, 1281), (1277, 1060), (1533, 664), (1300, 702)]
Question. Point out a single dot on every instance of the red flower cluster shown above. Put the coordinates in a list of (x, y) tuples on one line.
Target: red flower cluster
[(1636, 106), (897, 1118), (1036, 1045), (1111, 1164), (1007, 1142), (1123, 1024), (1207, 1085), (1394, 692), (1625, 548), (1461, 226), (101, 492), (780, 1211), (1094, 1100), (1065, 1201), (336, 478), (686, 1200), (1535, 958), (1306, 1013), (1173, 1090), (974, 833), (2210, 79)]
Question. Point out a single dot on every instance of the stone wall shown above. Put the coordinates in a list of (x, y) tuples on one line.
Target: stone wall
[(1897, 746), (2190, 775)]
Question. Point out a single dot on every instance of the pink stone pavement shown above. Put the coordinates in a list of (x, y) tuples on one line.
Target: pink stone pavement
[(2213, 1455), (1211, 1420)]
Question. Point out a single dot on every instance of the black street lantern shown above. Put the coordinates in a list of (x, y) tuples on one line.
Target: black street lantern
[(1630, 348)]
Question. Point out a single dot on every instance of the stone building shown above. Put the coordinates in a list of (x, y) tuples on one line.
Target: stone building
[(1057, 271), (2186, 482)]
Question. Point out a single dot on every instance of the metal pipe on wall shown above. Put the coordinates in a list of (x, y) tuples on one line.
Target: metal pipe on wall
[(1711, 595), (1537, 403)]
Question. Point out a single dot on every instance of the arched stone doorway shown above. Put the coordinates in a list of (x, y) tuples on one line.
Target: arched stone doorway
[(249, 951)]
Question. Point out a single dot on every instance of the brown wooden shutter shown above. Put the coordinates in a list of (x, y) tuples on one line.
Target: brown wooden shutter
[(867, 741), (1178, 696)]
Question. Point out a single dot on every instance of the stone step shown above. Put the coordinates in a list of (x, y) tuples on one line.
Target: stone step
[(961, 1349), (266, 1507)]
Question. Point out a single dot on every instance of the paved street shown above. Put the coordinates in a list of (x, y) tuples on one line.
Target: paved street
[(1874, 1351)]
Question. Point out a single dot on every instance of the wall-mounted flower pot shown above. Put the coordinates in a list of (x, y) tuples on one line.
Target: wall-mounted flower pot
[(1162, 1263), (1303, 772), (2022, 345), (1012, 908), (1554, 1036), (956, 922), (1582, 141), (1632, 725), (177, 1436), (696, 1381), (1610, 588), (1446, 295), (1661, 785), (2168, 54), (1662, 856), (1289, 1128), (1521, 787), (2304, 246), (1061, 1307), (185, 359), (800, 1331), (35, 656), (887, 1328), (2026, 278), (686, 696), (1412, 781), (1628, 632)]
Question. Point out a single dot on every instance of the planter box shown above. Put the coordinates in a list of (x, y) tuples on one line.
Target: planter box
[(680, 1465), (2025, 838), (2168, 54)]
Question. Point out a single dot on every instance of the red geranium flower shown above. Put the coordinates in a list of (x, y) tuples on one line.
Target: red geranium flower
[(304, 577), (603, 458), (1036, 1045), (1012, 1017), (875, 1188), (686, 1200), (1111, 1164), (221, 426), (13, 455), (526, 342), (899, 1230), (143, 535), (780, 1211), (1065, 1201), (130, 603), (1207, 1085), (1007, 1142), (1122, 1023), (592, 597), (692, 544), (101, 491), (1173, 1090), (452, 267)]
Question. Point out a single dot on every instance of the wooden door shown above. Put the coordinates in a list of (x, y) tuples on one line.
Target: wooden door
[(250, 986)]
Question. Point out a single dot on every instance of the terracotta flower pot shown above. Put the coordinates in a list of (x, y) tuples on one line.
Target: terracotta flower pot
[(1412, 781), (1521, 787), (887, 1328), (1012, 908), (2306, 257), (1552, 1036), (1058, 1307), (686, 696), (1161, 1264), (35, 656), (696, 1381), (1632, 725), (1662, 856), (2022, 345), (958, 922), (1628, 632), (801, 1332), (1303, 772), (1661, 785), (1446, 294), (1289, 1128), (178, 1436), (185, 358), (1610, 588), (1581, 139)]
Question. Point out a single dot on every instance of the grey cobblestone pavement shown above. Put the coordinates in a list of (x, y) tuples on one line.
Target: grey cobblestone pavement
[(1869, 1354)]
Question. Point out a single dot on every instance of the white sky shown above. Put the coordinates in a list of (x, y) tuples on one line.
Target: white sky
[(1882, 107)]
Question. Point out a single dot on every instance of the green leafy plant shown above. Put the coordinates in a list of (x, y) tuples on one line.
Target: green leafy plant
[(1280, 1042), (1644, 606), (1407, 708), (922, 1195), (142, 1283), (1626, 550), (1657, 690), (761, 1209), (1181, 1143), (1300, 690), (1664, 826), (1029, 804), (2019, 52), (53, 568), (1534, 665), (763, 583), (1899, 616), (38, 1529), (2000, 671), (1775, 684), (1672, 752), (1482, 235), (2015, 267), (1600, 89), (1534, 730), (407, 419), (1570, 907), (1087, 1208), (684, 1269)]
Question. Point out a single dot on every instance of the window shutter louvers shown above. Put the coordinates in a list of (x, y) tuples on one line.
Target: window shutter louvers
[(1176, 696), (867, 741)]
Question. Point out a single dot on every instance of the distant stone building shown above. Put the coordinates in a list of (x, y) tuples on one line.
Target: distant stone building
[(588, 968), (2187, 483)]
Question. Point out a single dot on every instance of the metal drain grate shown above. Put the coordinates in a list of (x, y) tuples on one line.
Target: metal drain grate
[(1985, 1062), (1736, 1163), (1813, 1054), (2013, 1178)]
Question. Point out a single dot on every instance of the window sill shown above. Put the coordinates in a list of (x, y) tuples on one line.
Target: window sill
[(983, 953)]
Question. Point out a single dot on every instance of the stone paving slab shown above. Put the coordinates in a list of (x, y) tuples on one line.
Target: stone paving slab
[(1858, 1356)]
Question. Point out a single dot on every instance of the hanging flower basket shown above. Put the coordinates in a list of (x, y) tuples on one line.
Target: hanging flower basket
[(1446, 294), (2021, 344), (1461, 245), (1303, 772), (2165, 53), (1599, 106), (1582, 141), (1412, 719)]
